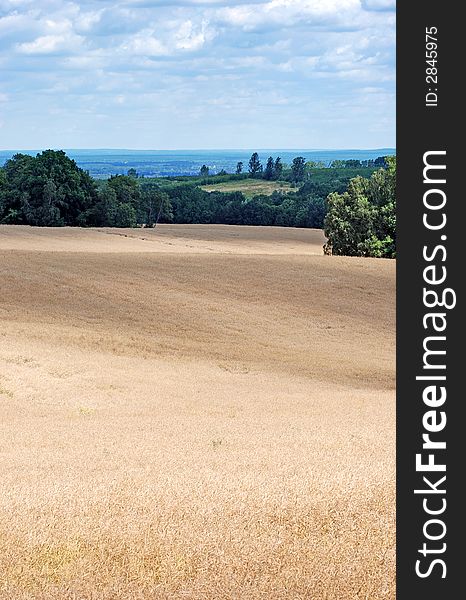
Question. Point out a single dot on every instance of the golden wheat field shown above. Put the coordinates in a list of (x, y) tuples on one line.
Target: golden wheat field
[(194, 412)]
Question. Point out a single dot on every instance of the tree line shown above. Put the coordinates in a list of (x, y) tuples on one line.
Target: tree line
[(298, 171), (51, 190), (357, 213)]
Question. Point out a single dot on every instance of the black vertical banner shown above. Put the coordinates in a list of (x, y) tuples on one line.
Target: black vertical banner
[(431, 435)]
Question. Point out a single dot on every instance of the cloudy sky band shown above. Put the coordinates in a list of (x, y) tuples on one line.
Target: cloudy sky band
[(197, 73)]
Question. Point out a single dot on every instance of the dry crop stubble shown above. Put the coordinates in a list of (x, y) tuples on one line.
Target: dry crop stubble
[(194, 412)]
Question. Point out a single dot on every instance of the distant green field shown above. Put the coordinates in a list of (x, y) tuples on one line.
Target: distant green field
[(249, 187)]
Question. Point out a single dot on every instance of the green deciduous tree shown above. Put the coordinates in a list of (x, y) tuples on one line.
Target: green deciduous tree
[(362, 220), (125, 215), (49, 189), (126, 188), (105, 211), (4, 208), (154, 207)]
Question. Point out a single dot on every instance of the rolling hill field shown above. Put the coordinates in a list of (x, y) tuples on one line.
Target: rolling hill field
[(202, 412)]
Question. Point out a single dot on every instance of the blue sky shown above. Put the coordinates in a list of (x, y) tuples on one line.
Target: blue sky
[(170, 74)]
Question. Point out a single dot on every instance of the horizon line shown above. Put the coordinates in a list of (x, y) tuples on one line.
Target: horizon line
[(197, 149)]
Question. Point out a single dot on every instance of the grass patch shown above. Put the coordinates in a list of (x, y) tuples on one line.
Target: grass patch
[(250, 187)]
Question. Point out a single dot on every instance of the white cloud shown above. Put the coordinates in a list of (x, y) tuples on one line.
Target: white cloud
[(156, 65), (190, 37), (48, 44), (286, 13), (145, 44), (10, 24)]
